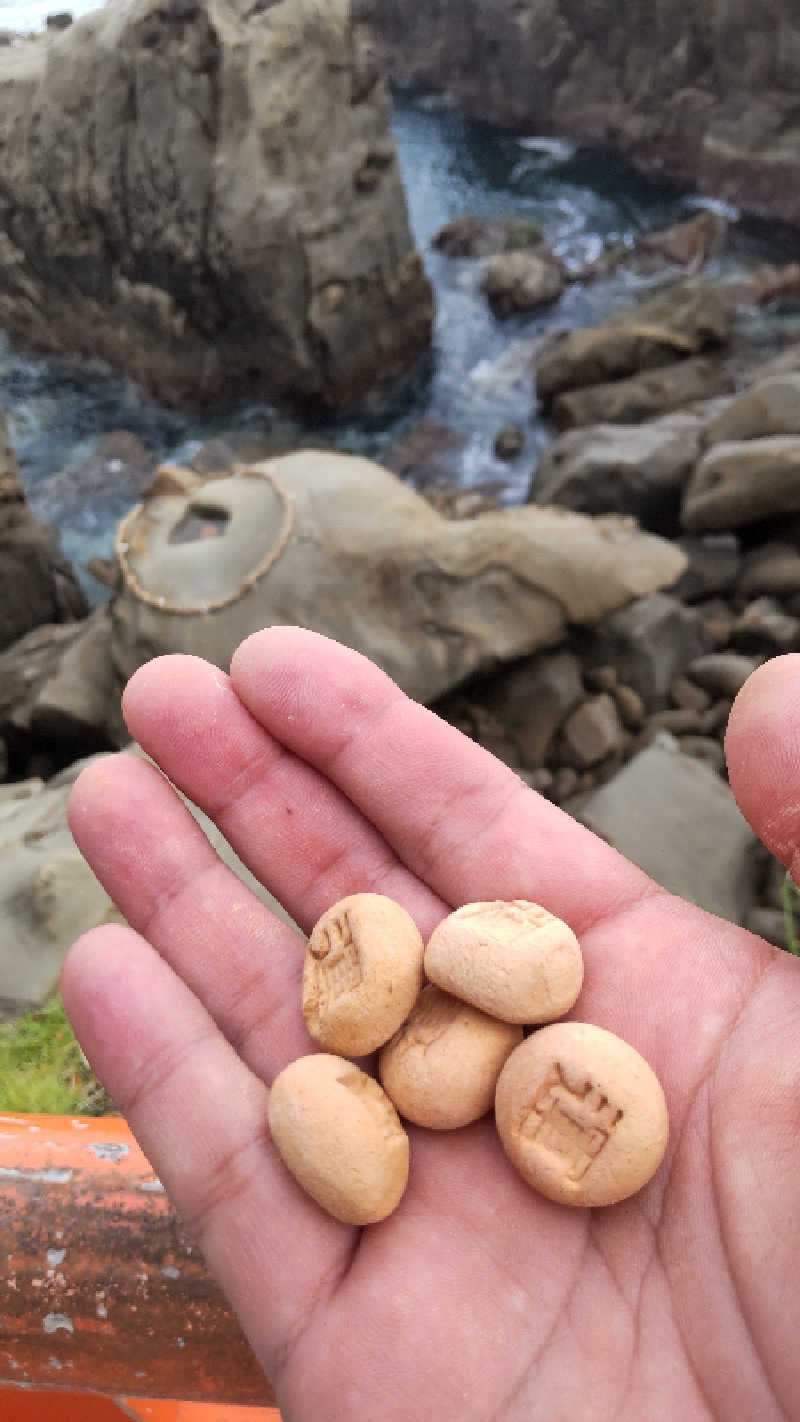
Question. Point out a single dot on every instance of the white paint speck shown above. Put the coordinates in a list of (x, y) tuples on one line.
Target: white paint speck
[(55, 1257), (53, 1321), (170, 1272)]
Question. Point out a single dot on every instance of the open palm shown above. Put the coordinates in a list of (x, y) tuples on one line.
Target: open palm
[(477, 1299)]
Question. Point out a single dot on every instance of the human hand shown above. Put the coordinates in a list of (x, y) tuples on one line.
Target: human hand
[(477, 1299)]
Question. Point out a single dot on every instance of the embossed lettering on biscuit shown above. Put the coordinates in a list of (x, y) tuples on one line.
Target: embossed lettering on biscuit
[(581, 1115), (362, 974)]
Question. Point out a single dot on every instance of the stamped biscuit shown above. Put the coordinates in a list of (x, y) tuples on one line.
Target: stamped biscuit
[(514, 960), (362, 974), (441, 1068), (339, 1135), (581, 1115)]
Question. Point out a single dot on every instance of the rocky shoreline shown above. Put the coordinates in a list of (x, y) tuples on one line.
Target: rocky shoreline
[(592, 637), (703, 95)]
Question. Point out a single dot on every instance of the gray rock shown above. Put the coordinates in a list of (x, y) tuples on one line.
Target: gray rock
[(679, 720), (688, 696), (532, 699), (428, 454), (765, 629), (709, 100), (37, 583), (470, 236), (59, 20), (338, 544), (59, 693), (704, 748), (713, 567), (743, 482), (48, 893), (768, 923), (643, 396), (678, 821), (635, 469), (522, 281), (678, 322), (769, 408), (509, 442), (772, 570), (207, 197), (631, 707), (593, 732), (721, 673), (650, 642)]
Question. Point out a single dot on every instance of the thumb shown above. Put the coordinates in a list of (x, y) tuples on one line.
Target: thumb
[(762, 747)]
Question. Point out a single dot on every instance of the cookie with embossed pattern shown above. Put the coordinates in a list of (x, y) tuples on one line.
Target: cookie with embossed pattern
[(514, 960), (362, 974)]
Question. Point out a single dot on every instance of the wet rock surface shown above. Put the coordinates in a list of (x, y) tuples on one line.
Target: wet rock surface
[(710, 100), (208, 198)]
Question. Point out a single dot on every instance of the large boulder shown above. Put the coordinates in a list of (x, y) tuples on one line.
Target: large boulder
[(338, 544), (643, 396), (771, 407), (743, 482), (207, 196), (37, 583), (705, 93), (59, 696), (632, 469), (676, 323)]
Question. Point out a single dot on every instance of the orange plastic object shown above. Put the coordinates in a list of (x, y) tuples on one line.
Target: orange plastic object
[(100, 1289), (18, 1406)]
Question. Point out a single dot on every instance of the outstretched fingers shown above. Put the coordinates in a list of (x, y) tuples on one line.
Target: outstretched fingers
[(454, 815), (154, 860), (298, 833)]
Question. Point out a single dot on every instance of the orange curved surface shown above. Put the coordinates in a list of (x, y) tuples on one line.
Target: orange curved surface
[(100, 1289)]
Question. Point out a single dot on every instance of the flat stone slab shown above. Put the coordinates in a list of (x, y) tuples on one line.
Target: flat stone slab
[(673, 816)]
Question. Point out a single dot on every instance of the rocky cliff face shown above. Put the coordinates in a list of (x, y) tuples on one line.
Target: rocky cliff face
[(704, 92), (205, 193)]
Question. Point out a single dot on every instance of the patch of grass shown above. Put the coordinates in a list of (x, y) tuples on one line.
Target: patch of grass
[(790, 894), (42, 1068)]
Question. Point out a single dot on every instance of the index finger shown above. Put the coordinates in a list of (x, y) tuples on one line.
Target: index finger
[(456, 816)]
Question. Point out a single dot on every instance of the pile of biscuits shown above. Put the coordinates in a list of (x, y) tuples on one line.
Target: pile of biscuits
[(579, 1112)]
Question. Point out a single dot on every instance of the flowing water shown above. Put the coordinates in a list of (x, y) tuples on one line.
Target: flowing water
[(478, 377)]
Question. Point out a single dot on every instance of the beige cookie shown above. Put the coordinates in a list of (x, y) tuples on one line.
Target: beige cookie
[(441, 1068), (341, 1138), (581, 1115), (362, 974), (514, 960)]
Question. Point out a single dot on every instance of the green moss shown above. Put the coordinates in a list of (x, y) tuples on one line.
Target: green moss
[(791, 903), (43, 1069)]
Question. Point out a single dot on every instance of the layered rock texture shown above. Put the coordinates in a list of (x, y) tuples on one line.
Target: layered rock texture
[(704, 92), (37, 584), (205, 193)]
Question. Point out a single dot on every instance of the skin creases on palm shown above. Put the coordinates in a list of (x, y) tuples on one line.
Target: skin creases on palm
[(477, 1299)]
